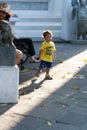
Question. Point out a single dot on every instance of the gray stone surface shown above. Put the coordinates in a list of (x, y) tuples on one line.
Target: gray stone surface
[(75, 119), (59, 126), (61, 101), (7, 55)]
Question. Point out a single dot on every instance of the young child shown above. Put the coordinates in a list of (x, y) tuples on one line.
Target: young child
[(46, 54)]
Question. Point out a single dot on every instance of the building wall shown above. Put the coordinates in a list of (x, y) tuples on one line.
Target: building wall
[(34, 16), (67, 22)]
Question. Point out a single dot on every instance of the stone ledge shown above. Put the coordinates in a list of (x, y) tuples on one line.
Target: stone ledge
[(9, 81)]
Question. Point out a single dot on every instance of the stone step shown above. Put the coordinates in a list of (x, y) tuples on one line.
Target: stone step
[(36, 35), (37, 24), (39, 19), (34, 26), (39, 27)]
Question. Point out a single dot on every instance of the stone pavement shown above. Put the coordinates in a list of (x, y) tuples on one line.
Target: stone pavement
[(58, 104)]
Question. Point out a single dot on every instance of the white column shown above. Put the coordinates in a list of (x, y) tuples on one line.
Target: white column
[(9, 81), (58, 7), (55, 7), (66, 20)]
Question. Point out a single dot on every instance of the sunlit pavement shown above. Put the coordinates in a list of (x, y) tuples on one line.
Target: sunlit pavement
[(58, 104)]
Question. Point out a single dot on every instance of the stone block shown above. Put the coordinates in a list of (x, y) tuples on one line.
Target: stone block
[(9, 81), (7, 55)]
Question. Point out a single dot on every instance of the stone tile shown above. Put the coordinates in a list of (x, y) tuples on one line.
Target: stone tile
[(73, 118)]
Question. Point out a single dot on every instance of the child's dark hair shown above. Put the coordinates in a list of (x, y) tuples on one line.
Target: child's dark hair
[(47, 32)]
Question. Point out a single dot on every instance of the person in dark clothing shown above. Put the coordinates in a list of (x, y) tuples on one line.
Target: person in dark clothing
[(30, 47), (27, 41), (6, 30)]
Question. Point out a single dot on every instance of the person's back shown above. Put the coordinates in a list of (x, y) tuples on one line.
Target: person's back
[(6, 36)]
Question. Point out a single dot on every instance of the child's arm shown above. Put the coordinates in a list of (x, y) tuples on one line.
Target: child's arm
[(54, 55)]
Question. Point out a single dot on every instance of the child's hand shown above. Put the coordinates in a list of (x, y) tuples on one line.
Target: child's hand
[(39, 58), (54, 57)]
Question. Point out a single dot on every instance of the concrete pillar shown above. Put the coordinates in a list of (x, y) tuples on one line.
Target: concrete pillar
[(57, 7), (67, 20), (9, 81)]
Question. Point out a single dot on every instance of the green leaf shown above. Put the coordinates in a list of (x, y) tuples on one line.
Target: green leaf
[(48, 123), (2, 105)]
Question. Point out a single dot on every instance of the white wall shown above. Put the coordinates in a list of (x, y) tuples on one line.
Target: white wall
[(29, 22), (66, 20)]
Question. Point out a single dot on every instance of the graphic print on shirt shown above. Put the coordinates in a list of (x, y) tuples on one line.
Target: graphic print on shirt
[(49, 50)]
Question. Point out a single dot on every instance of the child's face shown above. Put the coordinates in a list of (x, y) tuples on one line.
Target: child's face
[(48, 37)]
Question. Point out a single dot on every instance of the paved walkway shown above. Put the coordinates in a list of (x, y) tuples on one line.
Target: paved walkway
[(58, 104)]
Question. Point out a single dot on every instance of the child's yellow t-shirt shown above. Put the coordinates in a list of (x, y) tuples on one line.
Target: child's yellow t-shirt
[(47, 49)]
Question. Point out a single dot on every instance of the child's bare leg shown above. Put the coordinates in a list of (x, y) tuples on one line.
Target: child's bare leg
[(47, 74), (47, 71), (38, 72)]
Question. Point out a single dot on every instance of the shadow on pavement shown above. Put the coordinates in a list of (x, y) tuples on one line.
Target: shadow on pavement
[(5, 107), (64, 51), (63, 104), (32, 87), (64, 107)]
